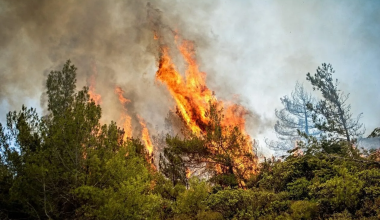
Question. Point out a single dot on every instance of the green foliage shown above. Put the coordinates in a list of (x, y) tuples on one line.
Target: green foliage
[(339, 192), (66, 165), (61, 88), (337, 120), (172, 165), (304, 210), (127, 196), (375, 133), (299, 189), (247, 204), (190, 203)]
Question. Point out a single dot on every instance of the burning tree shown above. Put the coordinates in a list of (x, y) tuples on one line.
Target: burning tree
[(219, 153), (216, 141)]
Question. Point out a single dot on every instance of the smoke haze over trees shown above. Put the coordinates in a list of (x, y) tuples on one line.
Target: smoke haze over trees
[(67, 165), (294, 119), (160, 116), (114, 39)]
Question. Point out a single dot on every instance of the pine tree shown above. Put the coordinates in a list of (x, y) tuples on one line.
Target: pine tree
[(295, 117), (220, 153), (336, 120)]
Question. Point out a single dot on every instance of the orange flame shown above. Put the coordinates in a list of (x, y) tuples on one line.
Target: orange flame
[(192, 98), (91, 88), (155, 36), (191, 94), (189, 173), (122, 99), (124, 116), (145, 136)]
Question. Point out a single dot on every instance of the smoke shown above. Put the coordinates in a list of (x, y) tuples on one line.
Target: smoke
[(110, 42), (252, 48)]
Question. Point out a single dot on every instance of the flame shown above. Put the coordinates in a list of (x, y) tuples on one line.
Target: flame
[(155, 36), (193, 99), (298, 151), (145, 136), (122, 99), (124, 116), (191, 95), (189, 173), (91, 88)]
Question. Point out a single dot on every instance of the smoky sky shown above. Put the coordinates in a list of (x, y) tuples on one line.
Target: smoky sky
[(252, 51)]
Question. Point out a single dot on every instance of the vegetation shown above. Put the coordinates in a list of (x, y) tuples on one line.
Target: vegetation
[(336, 121), (66, 165), (295, 118)]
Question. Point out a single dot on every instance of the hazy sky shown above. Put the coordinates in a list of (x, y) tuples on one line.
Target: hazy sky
[(253, 50)]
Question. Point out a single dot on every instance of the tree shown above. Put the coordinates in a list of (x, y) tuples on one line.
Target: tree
[(46, 156), (172, 166), (336, 118), (222, 153), (61, 88), (65, 165), (295, 117), (375, 133)]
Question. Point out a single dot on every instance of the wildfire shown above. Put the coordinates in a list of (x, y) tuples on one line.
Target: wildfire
[(91, 88), (145, 136), (193, 99), (124, 116), (192, 96), (189, 173)]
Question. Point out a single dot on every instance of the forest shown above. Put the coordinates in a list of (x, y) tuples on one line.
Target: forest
[(67, 165)]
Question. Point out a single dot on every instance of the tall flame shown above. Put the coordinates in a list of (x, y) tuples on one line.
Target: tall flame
[(145, 136), (91, 88), (125, 118), (189, 173), (191, 95), (193, 98)]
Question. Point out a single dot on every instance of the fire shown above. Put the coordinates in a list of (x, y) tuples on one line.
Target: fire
[(193, 99), (189, 173), (124, 116), (145, 136), (91, 88), (191, 95), (122, 99), (155, 36)]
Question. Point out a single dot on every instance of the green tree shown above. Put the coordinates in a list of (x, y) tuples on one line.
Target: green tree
[(190, 203), (337, 119), (375, 133), (172, 166), (65, 165), (22, 172)]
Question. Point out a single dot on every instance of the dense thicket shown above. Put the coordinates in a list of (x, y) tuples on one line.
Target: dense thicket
[(66, 165)]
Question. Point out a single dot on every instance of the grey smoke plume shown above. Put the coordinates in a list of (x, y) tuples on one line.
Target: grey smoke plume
[(256, 49), (109, 41)]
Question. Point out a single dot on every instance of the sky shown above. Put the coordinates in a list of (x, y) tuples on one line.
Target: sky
[(253, 52)]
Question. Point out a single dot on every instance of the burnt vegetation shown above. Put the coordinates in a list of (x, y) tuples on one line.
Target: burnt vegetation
[(67, 165)]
